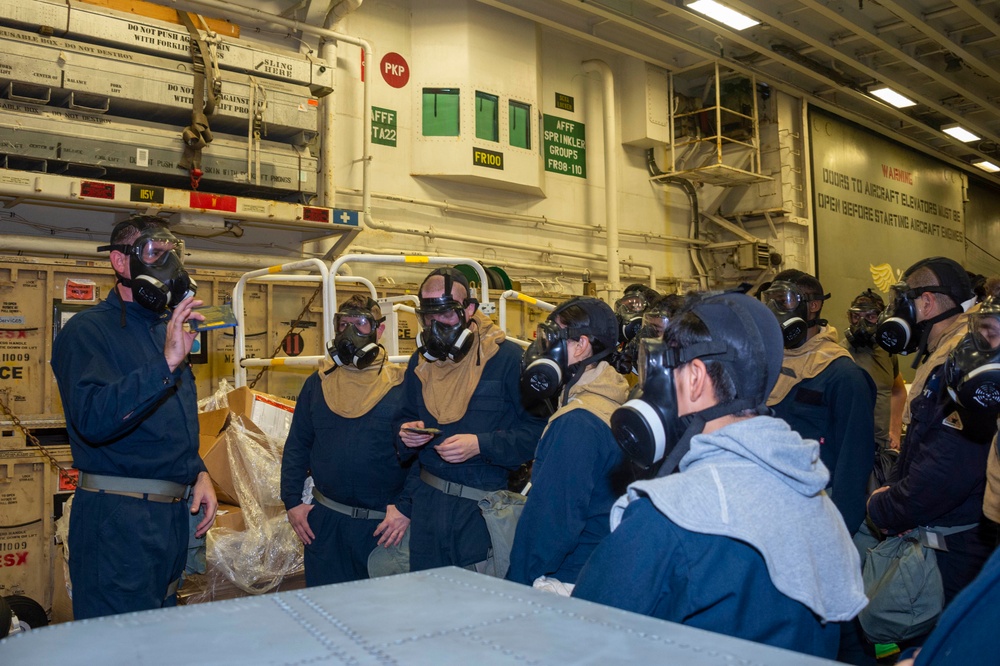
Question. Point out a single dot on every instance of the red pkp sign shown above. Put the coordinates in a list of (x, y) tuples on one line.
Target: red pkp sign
[(395, 70)]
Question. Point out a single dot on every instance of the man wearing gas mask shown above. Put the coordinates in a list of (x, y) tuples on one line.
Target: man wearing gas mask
[(939, 482), (128, 394), (742, 540), (629, 309), (821, 392), (578, 472), (859, 340), (654, 321), (343, 434), (463, 420), (966, 631)]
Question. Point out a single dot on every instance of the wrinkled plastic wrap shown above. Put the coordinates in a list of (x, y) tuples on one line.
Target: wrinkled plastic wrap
[(217, 400), (62, 537), (259, 558)]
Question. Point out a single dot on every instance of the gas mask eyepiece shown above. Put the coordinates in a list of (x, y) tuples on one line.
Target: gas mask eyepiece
[(159, 279), (791, 307), (862, 324), (356, 341), (444, 333)]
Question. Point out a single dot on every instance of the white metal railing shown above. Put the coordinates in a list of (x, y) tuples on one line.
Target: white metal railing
[(277, 273), (510, 294)]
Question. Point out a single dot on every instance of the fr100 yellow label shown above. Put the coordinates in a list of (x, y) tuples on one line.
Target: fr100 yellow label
[(487, 158)]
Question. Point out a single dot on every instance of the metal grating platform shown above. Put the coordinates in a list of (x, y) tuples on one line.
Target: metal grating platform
[(437, 617), (717, 174)]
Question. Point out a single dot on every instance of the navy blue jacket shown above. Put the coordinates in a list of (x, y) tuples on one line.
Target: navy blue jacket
[(650, 565), (836, 408), (127, 414), (939, 481), (966, 633), (574, 481), (448, 530), (352, 460)]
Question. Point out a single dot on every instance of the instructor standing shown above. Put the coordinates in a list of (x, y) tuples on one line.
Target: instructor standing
[(132, 416)]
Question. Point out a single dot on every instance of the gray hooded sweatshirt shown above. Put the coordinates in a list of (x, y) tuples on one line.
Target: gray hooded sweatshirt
[(758, 481)]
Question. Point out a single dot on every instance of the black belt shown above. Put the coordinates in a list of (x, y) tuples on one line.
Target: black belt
[(452, 488), (154, 490), (352, 511)]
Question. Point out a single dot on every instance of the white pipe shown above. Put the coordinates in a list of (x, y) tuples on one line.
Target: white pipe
[(538, 268), (328, 53), (229, 8), (328, 109), (528, 247), (610, 173), (47, 246), (807, 188), (365, 282), (340, 11), (542, 220)]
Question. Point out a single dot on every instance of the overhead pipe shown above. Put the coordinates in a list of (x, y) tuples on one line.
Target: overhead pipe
[(610, 172), (326, 172), (511, 245), (340, 11), (44, 245), (539, 220), (553, 270)]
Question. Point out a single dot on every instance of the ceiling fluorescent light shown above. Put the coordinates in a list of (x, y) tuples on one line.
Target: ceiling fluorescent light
[(723, 14), (890, 96), (986, 165), (957, 131)]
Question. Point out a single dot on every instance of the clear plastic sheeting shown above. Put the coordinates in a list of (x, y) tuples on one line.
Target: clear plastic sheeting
[(62, 537), (258, 558), (218, 400)]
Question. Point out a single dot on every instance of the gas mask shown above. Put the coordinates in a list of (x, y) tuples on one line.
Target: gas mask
[(653, 325), (863, 323), (545, 363), (632, 303), (351, 346), (630, 325), (647, 426), (158, 280), (444, 333), (972, 371), (791, 307), (742, 336), (898, 331)]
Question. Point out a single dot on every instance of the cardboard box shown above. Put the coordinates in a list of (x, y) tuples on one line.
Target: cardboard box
[(262, 414), (270, 414), (214, 450), (229, 517)]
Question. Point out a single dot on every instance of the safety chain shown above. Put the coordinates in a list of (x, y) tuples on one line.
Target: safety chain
[(291, 330), (63, 474)]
